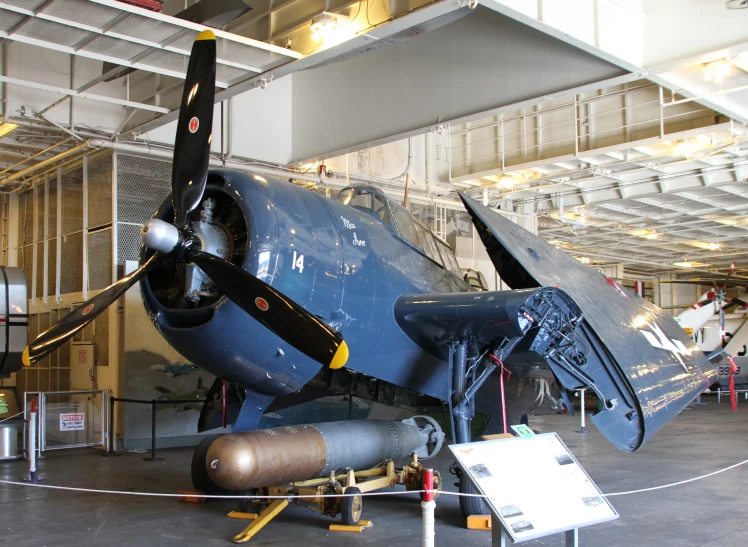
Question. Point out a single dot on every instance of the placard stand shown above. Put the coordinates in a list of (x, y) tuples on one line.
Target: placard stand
[(499, 537), (520, 502)]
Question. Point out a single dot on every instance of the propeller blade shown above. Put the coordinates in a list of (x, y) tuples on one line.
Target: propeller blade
[(65, 328), (275, 311), (194, 128)]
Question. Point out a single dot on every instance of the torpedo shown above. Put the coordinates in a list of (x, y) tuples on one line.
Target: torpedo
[(282, 455)]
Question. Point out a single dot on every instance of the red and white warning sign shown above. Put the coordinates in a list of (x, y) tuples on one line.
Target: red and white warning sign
[(72, 422)]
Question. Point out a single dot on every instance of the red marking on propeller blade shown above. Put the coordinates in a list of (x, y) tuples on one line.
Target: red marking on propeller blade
[(262, 304), (88, 309), (194, 124)]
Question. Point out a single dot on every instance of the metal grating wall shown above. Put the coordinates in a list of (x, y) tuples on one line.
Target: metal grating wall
[(142, 185), (99, 270), (72, 201), (38, 215), (53, 372), (71, 263), (41, 216), (99, 192)]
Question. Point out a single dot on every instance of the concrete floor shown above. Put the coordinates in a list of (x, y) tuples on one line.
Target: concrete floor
[(709, 512)]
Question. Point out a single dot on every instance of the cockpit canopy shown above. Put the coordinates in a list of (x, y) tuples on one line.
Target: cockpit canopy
[(371, 200)]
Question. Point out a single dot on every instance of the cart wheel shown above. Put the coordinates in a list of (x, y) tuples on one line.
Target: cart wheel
[(437, 485), (246, 505), (351, 506)]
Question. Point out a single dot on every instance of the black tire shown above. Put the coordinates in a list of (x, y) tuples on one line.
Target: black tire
[(249, 504), (351, 506), (469, 504), (200, 478)]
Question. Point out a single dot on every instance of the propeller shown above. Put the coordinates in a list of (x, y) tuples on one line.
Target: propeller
[(177, 242), (65, 328)]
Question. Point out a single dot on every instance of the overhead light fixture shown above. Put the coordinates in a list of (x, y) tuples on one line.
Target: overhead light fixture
[(717, 71), (6, 128), (683, 264), (584, 259), (714, 246), (653, 235), (323, 26), (505, 182), (683, 148), (736, 4)]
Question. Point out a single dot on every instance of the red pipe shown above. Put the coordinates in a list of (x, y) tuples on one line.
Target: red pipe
[(152, 5)]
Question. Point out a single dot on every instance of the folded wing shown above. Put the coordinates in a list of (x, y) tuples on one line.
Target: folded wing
[(635, 350)]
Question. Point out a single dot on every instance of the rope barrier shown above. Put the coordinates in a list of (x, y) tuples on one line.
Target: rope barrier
[(11, 417), (676, 483), (396, 493)]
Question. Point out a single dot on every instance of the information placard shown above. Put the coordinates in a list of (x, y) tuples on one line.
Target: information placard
[(72, 422), (535, 486)]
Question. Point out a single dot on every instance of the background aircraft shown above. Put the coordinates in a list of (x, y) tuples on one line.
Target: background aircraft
[(200, 392), (259, 281), (176, 369)]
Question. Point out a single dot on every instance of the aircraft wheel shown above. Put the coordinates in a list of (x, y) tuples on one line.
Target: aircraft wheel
[(469, 504), (200, 478), (351, 506)]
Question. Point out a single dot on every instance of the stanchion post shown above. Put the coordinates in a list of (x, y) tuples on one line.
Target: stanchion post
[(153, 457), (111, 451), (32, 444), (428, 504), (582, 411)]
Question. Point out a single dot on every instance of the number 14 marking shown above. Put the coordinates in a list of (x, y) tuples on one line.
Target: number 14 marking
[(297, 262)]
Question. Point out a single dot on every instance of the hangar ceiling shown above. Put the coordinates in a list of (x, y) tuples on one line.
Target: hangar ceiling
[(648, 206), (671, 190)]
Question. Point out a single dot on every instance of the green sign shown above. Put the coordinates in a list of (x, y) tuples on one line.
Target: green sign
[(523, 431)]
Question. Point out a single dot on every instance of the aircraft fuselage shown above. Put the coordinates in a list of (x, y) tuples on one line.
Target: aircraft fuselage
[(338, 262)]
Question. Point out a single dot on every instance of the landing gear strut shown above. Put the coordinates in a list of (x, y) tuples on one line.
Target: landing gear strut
[(465, 384)]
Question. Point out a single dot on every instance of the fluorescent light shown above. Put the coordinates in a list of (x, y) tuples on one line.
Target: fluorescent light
[(653, 235), (7, 128), (684, 149), (714, 246), (323, 26), (505, 182), (684, 264), (717, 71)]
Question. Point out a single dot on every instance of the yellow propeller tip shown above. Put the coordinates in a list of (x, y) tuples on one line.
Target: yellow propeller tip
[(340, 357), (25, 357), (206, 35)]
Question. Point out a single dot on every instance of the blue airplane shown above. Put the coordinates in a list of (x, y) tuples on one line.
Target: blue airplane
[(282, 292)]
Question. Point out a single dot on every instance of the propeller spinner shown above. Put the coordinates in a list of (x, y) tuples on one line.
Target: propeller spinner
[(176, 242)]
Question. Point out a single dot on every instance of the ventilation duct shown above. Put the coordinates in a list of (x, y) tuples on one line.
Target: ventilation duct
[(214, 13)]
